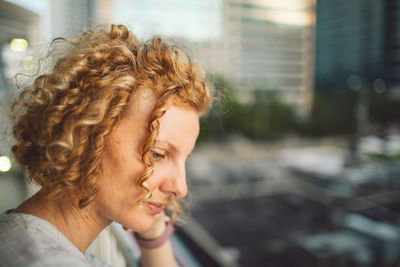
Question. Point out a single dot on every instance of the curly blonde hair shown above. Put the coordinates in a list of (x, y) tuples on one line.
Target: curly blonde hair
[(61, 121)]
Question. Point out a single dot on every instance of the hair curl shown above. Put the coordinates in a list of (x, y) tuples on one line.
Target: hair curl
[(63, 118)]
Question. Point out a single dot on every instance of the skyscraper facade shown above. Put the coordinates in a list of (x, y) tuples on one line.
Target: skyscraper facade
[(266, 46), (358, 39), (391, 58)]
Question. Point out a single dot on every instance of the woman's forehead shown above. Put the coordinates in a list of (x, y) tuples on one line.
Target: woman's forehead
[(141, 104)]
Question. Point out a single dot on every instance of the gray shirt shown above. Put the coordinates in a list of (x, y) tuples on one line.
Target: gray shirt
[(27, 240)]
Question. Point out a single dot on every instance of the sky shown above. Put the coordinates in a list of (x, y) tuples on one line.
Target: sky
[(193, 19), (36, 6), (199, 20)]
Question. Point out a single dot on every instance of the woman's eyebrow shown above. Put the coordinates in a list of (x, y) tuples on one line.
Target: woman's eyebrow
[(166, 144)]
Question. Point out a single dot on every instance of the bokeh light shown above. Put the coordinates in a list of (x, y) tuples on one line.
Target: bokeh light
[(19, 45), (5, 164)]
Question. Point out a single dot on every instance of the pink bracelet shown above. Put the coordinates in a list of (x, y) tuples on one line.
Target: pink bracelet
[(156, 242)]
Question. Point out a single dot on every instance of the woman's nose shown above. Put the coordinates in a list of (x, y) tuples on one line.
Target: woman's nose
[(175, 185)]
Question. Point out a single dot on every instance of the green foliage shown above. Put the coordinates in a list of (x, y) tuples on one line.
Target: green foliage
[(332, 114), (384, 109), (383, 157), (212, 125), (266, 118)]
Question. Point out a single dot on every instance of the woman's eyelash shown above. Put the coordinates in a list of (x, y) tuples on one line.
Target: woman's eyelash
[(156, 155)]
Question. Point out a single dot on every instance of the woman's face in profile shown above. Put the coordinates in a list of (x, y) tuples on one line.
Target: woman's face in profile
[(119, 191)]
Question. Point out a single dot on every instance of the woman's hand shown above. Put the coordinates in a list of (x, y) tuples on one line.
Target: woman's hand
[(158, 228), (160, 256)]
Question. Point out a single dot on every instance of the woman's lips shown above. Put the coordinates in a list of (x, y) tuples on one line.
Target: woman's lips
[(155, 208)]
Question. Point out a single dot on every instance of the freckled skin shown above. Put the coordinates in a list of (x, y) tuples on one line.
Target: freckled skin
[(119, 192)]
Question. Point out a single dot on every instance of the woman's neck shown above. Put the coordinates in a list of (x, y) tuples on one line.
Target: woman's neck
[(80, 226)]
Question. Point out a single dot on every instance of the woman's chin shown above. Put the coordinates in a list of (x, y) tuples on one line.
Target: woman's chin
[(144, 226)]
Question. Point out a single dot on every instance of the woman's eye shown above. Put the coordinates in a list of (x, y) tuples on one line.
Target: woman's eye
[(156, 155)]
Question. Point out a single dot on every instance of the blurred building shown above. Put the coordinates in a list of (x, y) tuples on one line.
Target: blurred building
[(16, 21), (391, 72), (34, 24), (358, 42), (265, 46), (18, 26)]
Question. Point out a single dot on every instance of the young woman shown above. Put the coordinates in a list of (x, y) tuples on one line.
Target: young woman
[(106, 134)]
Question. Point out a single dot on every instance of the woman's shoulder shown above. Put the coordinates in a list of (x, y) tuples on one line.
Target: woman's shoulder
[(26, 240)]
